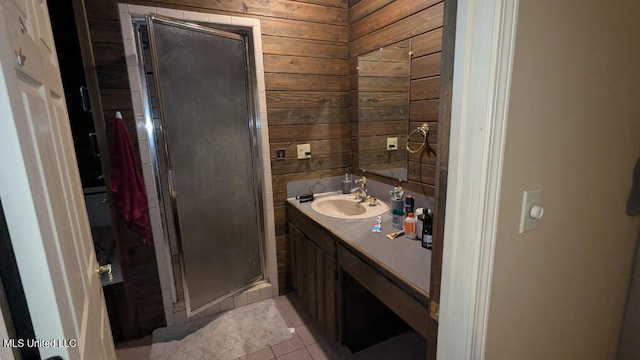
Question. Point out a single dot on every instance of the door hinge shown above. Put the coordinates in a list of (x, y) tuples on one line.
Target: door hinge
[(434, 310)]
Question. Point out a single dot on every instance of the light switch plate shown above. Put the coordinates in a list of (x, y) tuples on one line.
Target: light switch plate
[(304, 151), (392, 143), (530, 198)]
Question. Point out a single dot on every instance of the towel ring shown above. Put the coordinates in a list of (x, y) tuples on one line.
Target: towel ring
[(424, 131)]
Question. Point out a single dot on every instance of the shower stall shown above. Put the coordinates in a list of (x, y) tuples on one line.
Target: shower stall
[(198, 85)]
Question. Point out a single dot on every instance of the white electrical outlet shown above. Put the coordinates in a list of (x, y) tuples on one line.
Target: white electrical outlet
[(392, 143), (531, 211), (304, 151)]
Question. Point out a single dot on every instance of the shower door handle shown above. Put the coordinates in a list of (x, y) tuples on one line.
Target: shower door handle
[(84, 96), (93, 140)]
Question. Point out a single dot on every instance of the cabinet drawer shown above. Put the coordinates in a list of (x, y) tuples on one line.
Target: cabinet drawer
[(314, 279)]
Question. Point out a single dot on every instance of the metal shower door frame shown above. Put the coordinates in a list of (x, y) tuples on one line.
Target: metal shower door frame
[(170, 205)]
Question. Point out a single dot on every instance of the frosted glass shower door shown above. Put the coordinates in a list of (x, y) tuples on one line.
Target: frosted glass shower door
[(210, 140)]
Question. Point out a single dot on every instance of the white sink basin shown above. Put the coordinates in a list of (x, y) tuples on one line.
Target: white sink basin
[(345, 206)]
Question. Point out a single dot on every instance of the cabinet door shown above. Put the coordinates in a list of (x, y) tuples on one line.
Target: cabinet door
[(297, 249), (303, 267), (314, 279), (326, 301)]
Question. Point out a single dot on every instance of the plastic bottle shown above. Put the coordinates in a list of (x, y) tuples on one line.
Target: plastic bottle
[(398, 218), (427, 236), (408, 204), (419, 223), (410, 226)]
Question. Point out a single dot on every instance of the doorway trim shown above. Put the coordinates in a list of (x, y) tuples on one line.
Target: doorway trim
[(265, 290), (484, 48)]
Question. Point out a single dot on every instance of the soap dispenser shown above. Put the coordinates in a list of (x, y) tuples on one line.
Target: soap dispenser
[(346, 184)]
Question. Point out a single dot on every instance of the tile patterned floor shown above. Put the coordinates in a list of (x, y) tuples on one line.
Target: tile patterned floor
[(307, 343)]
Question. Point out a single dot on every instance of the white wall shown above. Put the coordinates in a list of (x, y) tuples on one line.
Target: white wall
[(558, 292)]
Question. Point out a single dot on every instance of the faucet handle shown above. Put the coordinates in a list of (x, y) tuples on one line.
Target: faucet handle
[(360, 193), (362, 180), (372, 200)]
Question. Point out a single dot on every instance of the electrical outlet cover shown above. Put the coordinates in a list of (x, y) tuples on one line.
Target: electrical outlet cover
[(304, 151), (392, 143)]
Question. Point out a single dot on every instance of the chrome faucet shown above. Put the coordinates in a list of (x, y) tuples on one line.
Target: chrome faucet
[(361, 191)]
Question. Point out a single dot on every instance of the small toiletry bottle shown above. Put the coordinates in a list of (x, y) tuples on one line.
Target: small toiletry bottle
[(419, 222), (346, 184), (398, 218), (410, 226), (408, 204), (427, 235), (397, 204)]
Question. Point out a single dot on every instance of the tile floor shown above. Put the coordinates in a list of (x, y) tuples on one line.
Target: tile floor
[(306, 343)]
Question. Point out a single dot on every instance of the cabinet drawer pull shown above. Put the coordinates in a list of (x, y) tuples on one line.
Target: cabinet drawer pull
[(23, 29), (21, 58)]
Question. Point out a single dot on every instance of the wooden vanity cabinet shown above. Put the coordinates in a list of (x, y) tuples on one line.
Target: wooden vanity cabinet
[(314, 273), (341, 287)]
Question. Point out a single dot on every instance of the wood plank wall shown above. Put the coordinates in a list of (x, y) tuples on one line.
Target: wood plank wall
[(305, 45), (375, 24), (309, 49)]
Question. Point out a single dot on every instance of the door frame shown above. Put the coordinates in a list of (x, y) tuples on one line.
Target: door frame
[(484, 48), (170, 202)]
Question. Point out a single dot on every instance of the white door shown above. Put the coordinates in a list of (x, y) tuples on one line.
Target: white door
[(41, 192)]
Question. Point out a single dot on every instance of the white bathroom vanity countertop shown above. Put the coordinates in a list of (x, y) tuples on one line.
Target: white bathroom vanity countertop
[(406, 258)]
